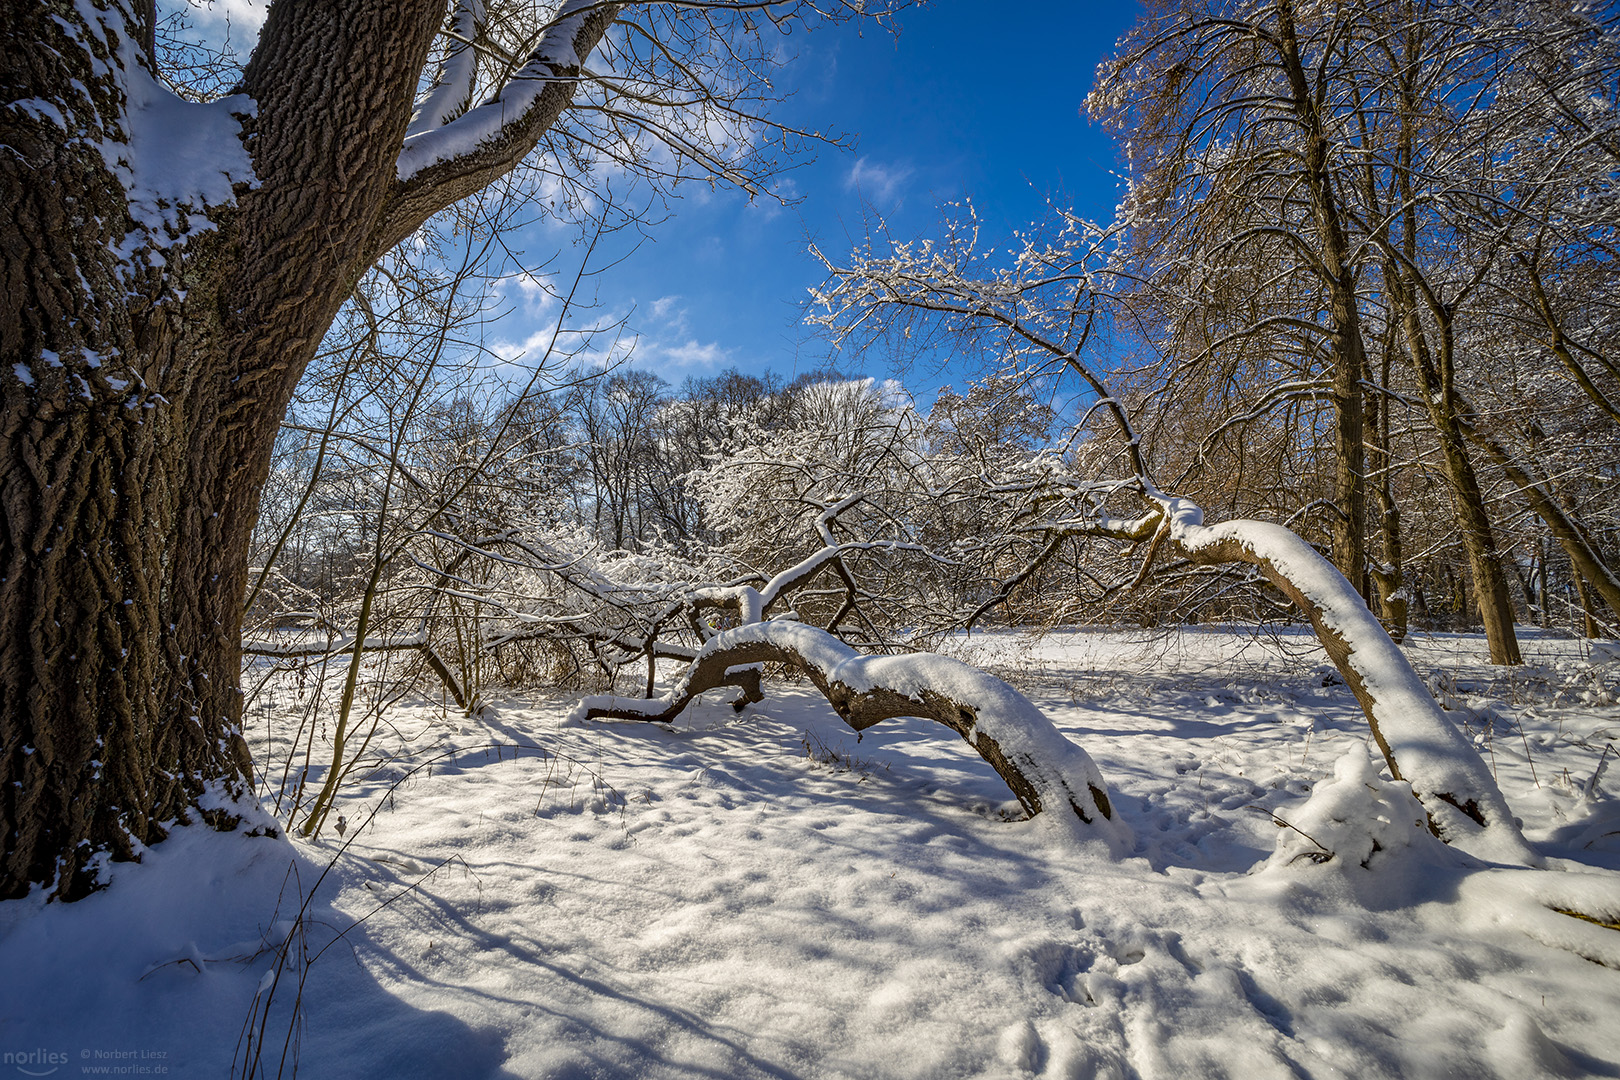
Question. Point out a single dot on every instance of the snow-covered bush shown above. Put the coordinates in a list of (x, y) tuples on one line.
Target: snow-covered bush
[(1361, 829)]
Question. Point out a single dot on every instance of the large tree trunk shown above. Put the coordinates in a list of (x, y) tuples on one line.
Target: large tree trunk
[(113, 714), (145, 365)]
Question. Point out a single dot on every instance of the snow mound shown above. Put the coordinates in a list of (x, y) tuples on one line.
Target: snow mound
[(1356, 826)]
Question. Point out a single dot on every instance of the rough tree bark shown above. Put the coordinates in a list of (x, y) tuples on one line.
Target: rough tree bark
[(148, 349)]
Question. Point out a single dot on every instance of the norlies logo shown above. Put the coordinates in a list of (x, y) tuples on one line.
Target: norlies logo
[(35, 1062)]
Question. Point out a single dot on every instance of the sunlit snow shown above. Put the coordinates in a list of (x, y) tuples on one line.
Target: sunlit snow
[(762, 895)]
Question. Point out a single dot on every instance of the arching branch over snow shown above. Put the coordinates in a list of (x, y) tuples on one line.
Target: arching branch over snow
[(1043, 768), (1045, 308), (1420, 745)]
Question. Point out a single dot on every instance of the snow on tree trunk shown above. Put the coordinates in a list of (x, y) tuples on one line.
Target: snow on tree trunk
[(118, 664), (1420, 745), (1045, 771), (167, 271)]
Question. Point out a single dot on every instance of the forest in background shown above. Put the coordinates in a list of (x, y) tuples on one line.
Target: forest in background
[(1362, 285), (517, 680), (1356, 303)]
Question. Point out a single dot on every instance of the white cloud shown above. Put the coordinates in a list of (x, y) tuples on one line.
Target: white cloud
[(877, 183), (597, 342), (661, 342), (245, 17), (529, 350), (535, 295), (693, 355)]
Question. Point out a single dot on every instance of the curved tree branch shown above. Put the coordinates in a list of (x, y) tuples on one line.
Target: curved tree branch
[(1419, 744), (1042, 767), (454, 160)]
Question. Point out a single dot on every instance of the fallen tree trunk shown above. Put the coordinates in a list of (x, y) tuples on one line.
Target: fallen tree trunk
[(1042, 767), (1420, 745)]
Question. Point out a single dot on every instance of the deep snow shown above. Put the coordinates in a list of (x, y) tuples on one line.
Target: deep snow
[(764, 895)]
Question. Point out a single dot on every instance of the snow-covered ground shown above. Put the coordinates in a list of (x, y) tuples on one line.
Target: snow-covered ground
[(764, 895)]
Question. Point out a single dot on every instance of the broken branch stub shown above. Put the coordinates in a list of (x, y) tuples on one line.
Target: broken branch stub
[(1044, 770)]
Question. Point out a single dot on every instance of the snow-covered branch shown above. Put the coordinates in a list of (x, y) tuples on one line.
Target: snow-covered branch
[(440, 164), (507, 125), (1045, 771), (1420, 745), (451, 94)]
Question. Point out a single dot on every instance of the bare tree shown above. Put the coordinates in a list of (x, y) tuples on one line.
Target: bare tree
[(1238, 210), (1318, 188), (1047, 306), (169, 269)]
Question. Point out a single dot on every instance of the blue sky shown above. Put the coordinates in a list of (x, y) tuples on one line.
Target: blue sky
[(969, 100)]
